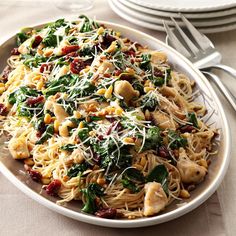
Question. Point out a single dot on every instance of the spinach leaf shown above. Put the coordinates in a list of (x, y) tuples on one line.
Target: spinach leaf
[(39, 124), (57, 24), (112, 157), (87, 90), (138, 86), (95, 118), (21, 94), (83, 134), (46, 135), (33, 61), (130, 185), (124, 160), (134, 175), (51, 40), (149, 102), (64, 84), (88, 25), (130, 178), (157, 81), (87, 51), (160, 175), (12, 98), (57, 85), (153, 139), (68, 105), (145, 63), (124, 105), (68, 147), (90, 193), (21, 38), (119, 58), (77, 169), (158, 78), (23, 111), (176, 141), (76, 121), (193, 119)]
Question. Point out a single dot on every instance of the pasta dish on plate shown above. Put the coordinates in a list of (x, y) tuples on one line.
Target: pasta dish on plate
[(98, 118)]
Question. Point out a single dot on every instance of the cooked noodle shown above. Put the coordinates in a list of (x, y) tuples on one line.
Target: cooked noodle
[(91, 109)]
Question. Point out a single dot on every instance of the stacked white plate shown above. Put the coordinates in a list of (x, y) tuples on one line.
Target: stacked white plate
[(209, 16)]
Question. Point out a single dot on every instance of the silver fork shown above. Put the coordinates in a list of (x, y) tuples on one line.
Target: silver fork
[(200, 51)]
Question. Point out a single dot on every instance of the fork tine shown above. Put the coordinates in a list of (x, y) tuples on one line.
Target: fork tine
[(175, 41), (186, 39), (202, 41)]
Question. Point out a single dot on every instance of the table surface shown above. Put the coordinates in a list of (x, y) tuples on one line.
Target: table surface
[(20, 215)]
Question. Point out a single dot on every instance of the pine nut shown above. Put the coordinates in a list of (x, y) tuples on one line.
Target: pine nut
[(39, 85), (130, 71), (119, 111), (101, 91), (101, 181), (203, 163), (29, 161), (100, 31), (147, 89), (128, 140), (56, 126), (77, 114), (108, 93), (47, 118), (2, 90), (184, 193), (81, 125)]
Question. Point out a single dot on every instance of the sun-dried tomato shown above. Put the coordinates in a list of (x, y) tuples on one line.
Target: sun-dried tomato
[(15, 51), (6, 73), (130, 52), (68, 49), (163, 152), (46, 67), (53, 188), (33, 101), (158, 73), (37, 40), (3, 110), (71, 55), (77, 65), (109, 213), (34, 174), (117, 72), (107, 40), (186, 128)]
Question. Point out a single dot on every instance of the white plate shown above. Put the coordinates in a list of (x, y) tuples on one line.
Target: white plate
[(193, 15), (159, 19), (158, 26), (13, 169), (186, 5)]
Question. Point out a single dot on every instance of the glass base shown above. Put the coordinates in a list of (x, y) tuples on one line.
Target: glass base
[(74, 5)]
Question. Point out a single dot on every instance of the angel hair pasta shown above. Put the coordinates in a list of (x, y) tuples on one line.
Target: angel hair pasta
[(98, 118)]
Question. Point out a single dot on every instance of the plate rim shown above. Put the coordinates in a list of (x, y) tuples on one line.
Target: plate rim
[(211, 22), (158, 27), (142, 222), (183, 9), (193, 15)]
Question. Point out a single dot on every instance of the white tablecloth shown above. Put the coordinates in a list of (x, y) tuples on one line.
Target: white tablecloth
[(19, 215)]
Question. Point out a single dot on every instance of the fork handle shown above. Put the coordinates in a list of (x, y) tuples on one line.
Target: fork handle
[(231, 71), (227, 94)]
